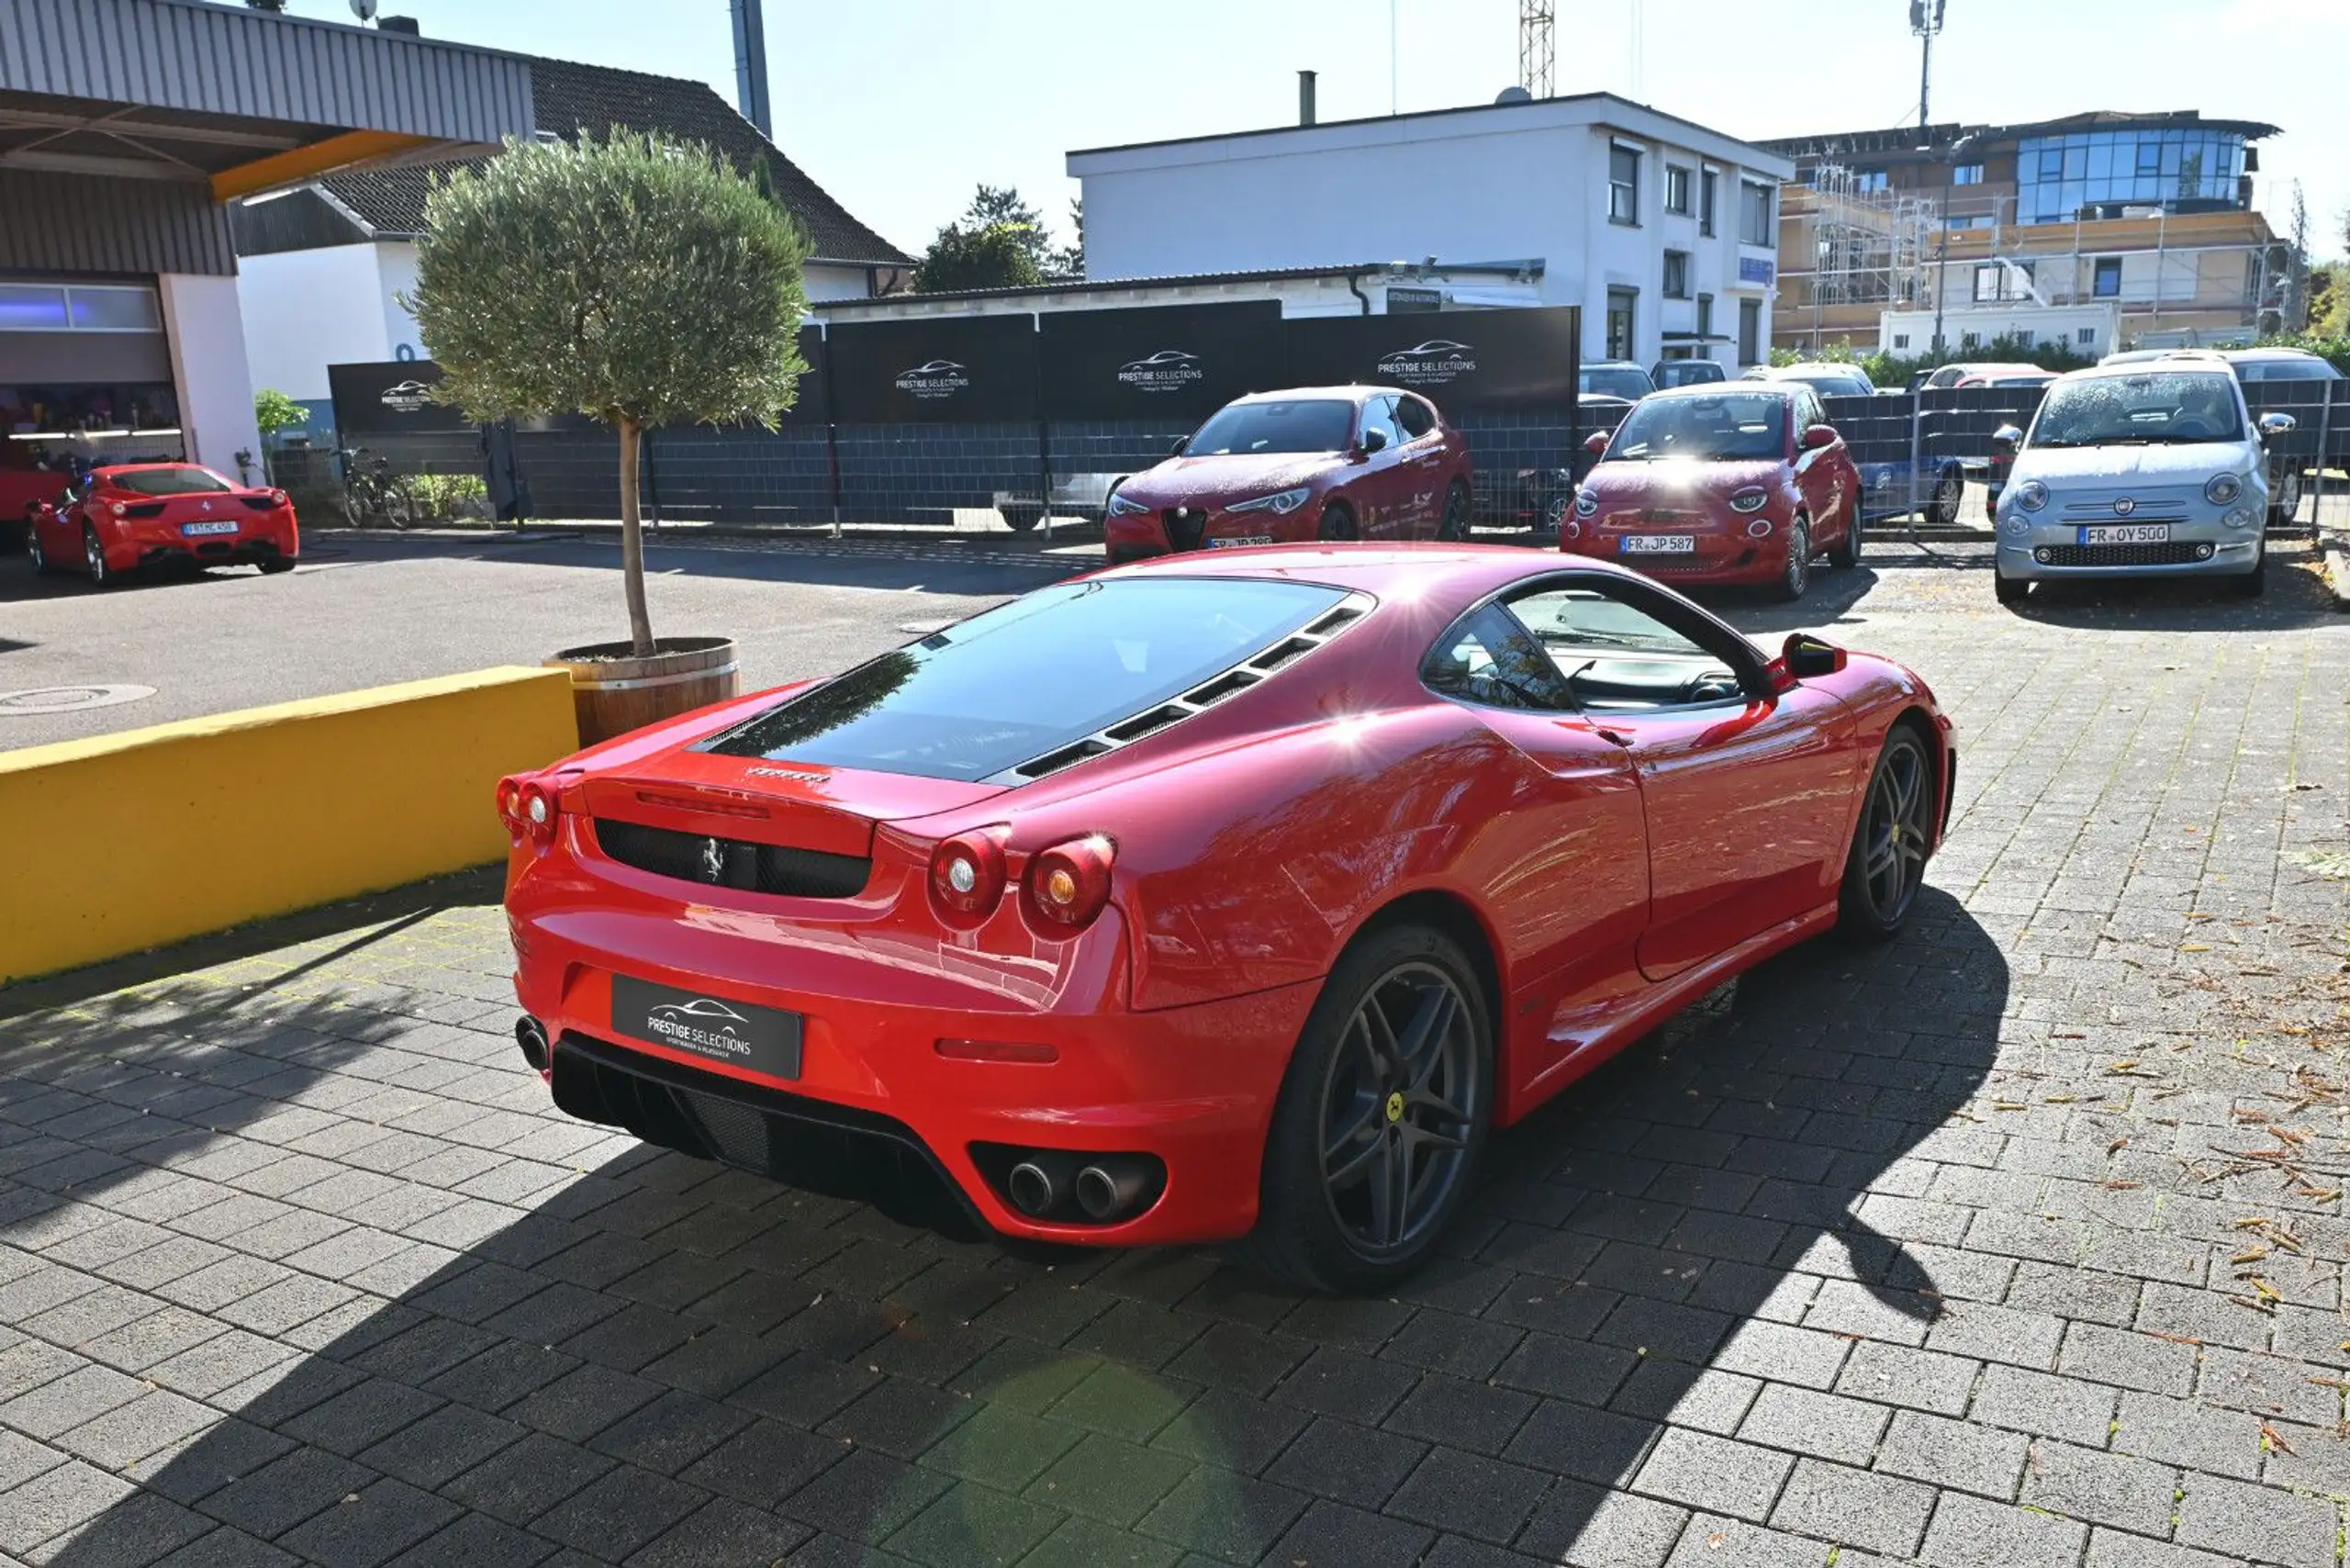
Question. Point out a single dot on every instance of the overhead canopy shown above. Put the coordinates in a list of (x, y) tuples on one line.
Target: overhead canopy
[(237, 100)]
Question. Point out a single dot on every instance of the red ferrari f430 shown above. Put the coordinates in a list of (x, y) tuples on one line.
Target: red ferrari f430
[(1225, 898), (1334, 462)]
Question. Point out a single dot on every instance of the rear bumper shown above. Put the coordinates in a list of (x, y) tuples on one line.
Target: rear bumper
[(1720, 561), (1193, 1086), (168, 547)]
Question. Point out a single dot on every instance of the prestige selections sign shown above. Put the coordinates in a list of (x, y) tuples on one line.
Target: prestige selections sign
[(1175, 364), (934, 370), (1519, 359), (390, 398), (1440, 362)]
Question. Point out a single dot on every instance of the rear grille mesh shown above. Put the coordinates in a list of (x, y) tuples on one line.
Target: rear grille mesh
[(260, 503), (732, 862), (2174, 553)]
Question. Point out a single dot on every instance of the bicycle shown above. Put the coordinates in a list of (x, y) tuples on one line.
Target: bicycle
[(369, 491)]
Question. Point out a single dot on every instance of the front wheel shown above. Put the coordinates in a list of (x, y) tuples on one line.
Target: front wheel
[(1337, 523), (2285, 497), (32, 547), (2253, 584), (1942, 508), (271, 565), (2009, 590), (1382, 1117), (1021, 518), (1798, 576), (93, 558), (1848, 554), (1886, 865), (1454, 528)]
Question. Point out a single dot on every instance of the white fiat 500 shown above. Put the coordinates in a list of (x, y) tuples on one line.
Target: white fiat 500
[(2152, 469)]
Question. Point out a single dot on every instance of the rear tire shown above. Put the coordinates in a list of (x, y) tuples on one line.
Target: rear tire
[(1847, 555), (1941, 507), (1887, 863), (93, 558), (271, 565), (1338, 523), (1372, 1137), (2006, 589), (1454, 527), (2285, 497), (1798, 576), (32, 547), (1021, 518)]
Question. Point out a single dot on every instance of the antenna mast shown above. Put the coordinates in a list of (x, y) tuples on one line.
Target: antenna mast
[(1925, 20), (1537, 57), (751, 64)]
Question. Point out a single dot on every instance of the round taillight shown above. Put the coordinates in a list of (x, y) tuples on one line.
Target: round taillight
[(1068, 884), (968, 876), (509, 805), (118, 508), (538, 812)]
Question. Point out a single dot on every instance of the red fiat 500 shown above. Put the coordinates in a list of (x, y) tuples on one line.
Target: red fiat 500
[(1285, 467), (150, 513), (1739, 483)]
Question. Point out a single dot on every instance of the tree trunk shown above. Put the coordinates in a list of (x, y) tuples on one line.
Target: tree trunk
[(640, 622)]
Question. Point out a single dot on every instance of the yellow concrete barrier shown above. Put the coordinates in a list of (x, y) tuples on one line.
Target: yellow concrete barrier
[(123, 842)]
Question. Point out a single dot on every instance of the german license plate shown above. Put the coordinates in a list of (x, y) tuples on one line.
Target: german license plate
[(193, 529), (2125, 534), (1236, 542), (758, 1039), (1660, 544)]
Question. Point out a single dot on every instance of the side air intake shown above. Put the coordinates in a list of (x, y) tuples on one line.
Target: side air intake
[(1205, 695)]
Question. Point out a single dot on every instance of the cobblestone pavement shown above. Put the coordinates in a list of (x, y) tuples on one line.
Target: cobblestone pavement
[(2019, 1242)]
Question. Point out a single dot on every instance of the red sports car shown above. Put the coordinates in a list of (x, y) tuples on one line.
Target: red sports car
[(1238, 896), (1737, 483), (1285, 467), (143, 514)]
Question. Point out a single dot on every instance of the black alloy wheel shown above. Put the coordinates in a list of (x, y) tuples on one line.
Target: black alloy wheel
[(33, 549), (1798, 575), (1338, 521), (1887, 862), (1942, 509), (94, 558), (1381, 1117), (1454, 529), (1845, 557)]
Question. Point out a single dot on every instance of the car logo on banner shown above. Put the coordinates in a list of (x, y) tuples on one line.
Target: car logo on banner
[(1436, 363), (938, 378), (701, 1023), (1168, 370), (405, 397), (2124, 507)]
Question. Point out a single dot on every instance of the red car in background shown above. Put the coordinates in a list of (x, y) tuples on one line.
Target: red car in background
[(1743, 482), (1238, 895), (1283, 467), (119, 519)]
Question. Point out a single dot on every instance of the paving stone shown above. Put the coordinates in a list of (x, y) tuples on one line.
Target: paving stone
[(1594, 1527), (619, 1513), (1970, 1532), (1710, 1541), (1781, 1354), (1333, 1459), (1223, 1515), (2112, 1548), (2129, 1360), (1825, 1425), (1470, 1494), (1876, 1512), (2259, 1522), (1953, 1453), (1714, 1474), (281, 1494), (369, 1527), (1082, 1542), (1335, 1535), (2103, 1488), (139, 1529), (2177, 1431), (476, 1541), (1588, 1445), (1921, 1379), (972, 1525), (2042, 1403), (723, 1534), (127, 1433), (1109, 1479)]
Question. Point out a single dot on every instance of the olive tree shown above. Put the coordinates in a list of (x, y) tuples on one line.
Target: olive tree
[(639, 281)]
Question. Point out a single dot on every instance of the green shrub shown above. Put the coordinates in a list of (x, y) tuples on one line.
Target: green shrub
[(436, 496)]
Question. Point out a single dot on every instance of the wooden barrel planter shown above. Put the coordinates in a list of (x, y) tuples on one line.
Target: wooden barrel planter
[(614, 692)]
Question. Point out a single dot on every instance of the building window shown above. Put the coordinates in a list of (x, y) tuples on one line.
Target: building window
[(2002, 280), (1706, 183), (1620, 302), (1972, 220), (2087, 335), (1676, 189), (2107, 283), (1623, 184), (2181, 168), (1967, 175), (1870, 180), (1749, 332), (1676, 274), (1753, 213), (1704, 318), (1900, 340)]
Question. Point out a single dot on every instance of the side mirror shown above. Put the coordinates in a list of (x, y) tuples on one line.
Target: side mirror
[(1181, 443), (1816, 436), (2005, 440), (2274, 425), (1373, 441), (42, 511), (1807, 657), (1596, 444)]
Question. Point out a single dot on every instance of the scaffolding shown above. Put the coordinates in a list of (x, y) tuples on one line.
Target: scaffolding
[(1870, 247)]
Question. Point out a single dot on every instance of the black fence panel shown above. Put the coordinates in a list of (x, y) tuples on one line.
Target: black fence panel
[(572, 468), (734, 474), (1115, 447), (2311, 406), (1517, 360), (933, 370), (1161, 364), (901, 473), (1519, 464)]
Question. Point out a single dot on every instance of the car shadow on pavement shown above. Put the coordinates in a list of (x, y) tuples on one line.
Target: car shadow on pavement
[(2295, 596), (304, 1258)]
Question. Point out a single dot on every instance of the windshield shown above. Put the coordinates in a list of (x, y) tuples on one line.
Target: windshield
[(1835, 383), (2158, 408), (1689, 373), (1627, 384), (2286, 370), (1030, 677), (1318, 424), (169, 482), (1734, 426)]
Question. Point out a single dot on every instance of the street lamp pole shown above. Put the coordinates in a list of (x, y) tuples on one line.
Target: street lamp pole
[(1942, 232)]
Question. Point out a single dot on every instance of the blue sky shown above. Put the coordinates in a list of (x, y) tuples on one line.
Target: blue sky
[(900, 109)]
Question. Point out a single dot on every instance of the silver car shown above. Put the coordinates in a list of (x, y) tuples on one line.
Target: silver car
[(2150, 470)]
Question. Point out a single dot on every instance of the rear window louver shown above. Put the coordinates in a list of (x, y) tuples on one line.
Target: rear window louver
[(1208, 693)]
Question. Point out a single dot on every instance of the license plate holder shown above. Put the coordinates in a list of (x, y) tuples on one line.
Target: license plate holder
[(2125, 534), (765, 1040), (1240, 542), (1657, 545), (194, 530)]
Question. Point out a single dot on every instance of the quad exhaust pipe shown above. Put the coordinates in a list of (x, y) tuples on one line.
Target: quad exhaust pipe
[(532, 1036), (1110, 1186), (1040, 1184), (1105, 1187)]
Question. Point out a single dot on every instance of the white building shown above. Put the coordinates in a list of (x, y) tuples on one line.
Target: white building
[(1665, 233), (323, 265), (2093, 330)]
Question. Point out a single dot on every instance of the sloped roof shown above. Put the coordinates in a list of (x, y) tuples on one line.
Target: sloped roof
[(573, 99)]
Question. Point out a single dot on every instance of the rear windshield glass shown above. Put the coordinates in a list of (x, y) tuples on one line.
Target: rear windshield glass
[(1313, 424), (2160, 408), (168, 482), (1629, 384), (1739, 425), (1030, 677)]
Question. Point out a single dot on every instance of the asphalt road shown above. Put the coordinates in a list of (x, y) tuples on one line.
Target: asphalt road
[(364, 610)]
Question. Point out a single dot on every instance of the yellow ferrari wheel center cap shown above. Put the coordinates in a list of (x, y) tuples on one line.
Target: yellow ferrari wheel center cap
[(1395, 1107)]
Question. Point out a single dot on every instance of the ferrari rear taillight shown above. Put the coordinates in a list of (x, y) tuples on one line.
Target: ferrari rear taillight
[(968, 876), (1068, 884), (509, 805), (528, 808)]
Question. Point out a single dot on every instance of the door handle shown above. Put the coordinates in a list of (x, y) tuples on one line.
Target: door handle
[(1617, 737)]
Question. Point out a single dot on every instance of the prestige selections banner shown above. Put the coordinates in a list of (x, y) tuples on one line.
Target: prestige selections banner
[(941, 370), (1176, 364), (1460, 359), (392, 398)]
